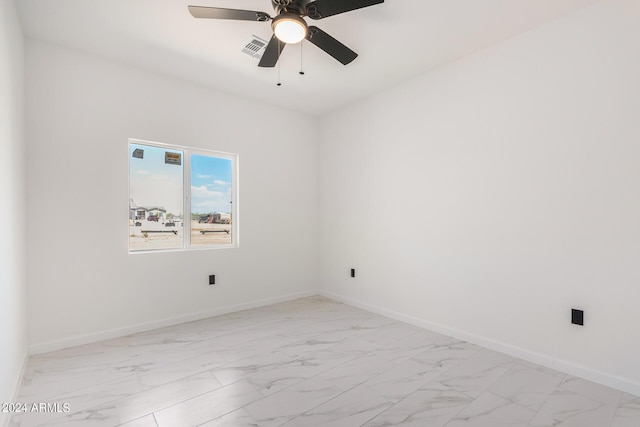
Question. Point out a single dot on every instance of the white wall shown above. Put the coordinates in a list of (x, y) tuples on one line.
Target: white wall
[(83, 284), (13, 328), (488, 198)]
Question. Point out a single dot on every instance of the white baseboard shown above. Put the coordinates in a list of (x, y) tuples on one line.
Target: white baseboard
[(519, 352), (161, 323)]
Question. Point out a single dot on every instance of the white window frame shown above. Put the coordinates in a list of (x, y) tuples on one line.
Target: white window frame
[(186, 203)]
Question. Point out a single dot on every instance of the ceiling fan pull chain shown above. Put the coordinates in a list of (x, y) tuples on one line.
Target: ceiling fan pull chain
[(279, 83), (301, 68)]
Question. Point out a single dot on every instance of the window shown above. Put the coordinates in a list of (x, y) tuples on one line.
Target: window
[(181, 198)]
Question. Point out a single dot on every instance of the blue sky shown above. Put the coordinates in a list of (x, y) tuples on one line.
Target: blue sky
[(210, 184), (152, 182)]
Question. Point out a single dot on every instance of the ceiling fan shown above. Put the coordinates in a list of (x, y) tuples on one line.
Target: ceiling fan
[(289, 26)]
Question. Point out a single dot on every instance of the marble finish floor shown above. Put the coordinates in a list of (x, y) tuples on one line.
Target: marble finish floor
[(308, 362)]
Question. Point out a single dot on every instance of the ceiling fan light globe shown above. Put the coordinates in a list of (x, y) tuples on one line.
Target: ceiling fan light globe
[(290, 30)]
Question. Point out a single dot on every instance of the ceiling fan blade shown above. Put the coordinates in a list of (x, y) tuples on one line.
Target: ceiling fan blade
[(330, 45), (271, 53), (220, 13), (322, 8)]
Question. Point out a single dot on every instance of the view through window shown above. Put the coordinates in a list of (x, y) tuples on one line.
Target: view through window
[(167, 181), (211, 200)]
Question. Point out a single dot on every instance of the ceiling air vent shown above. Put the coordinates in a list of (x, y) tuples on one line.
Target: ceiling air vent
[(255, 47)]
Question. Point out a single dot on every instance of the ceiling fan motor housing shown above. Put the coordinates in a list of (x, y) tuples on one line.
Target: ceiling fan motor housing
[(290, 6)]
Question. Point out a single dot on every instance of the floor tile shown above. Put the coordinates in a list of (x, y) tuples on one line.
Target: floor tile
[(237, 418), (295, 371), (402, 380), (566, 408), (425, 407), (490, 410), (446, 354), (475, 374), (144, 403), (527, 384), (174, 371), (628, 412), (208, 406), (590, 389), (286, 404), (352, 408), (148, 421), (307, 362)]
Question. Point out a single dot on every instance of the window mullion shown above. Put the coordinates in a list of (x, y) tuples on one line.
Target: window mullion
[(187, 200)]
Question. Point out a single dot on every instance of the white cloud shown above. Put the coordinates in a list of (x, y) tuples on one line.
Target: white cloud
[(203, 192), (205, 200)]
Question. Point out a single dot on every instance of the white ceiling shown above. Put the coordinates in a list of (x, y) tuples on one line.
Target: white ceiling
[(395, 41)]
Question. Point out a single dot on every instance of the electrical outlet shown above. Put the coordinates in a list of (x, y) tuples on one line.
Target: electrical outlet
[(212, 279), (577, 317)]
